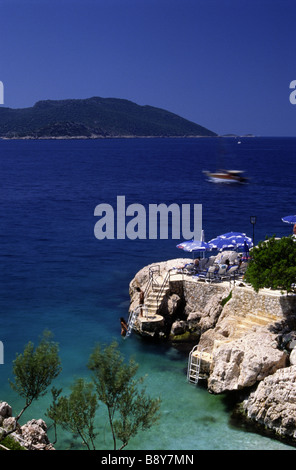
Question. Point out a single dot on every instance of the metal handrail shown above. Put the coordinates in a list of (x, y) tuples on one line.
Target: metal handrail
[(148, 287), (165, 282), (152, 281)]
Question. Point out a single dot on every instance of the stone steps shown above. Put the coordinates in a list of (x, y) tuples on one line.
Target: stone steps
[(252, 320), (263, 317), (243, 325), (150, 317), (153, 299)]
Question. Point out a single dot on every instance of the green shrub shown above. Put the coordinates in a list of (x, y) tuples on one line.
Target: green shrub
[(273, 264), (226, 299), (11, 444)]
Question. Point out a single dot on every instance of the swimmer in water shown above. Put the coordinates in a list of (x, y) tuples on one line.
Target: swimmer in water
[(124, 326)]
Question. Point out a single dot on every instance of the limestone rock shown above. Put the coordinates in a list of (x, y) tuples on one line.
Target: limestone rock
[(10, 424), (243, 362), (248, 336), (273, 404), (173, 304), (5, 411), (208, 314), (170, 303), (288, 340), (34, 435), (204, 300), (293, 357), (142, 277), (224, 330), (178, 327)]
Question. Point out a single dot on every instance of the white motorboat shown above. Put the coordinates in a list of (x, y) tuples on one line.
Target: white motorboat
[(226, 176)]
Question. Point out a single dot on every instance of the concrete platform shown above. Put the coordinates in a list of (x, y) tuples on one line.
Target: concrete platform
[(152, 318)]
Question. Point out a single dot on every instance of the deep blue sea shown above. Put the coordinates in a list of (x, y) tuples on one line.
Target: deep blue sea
[(56, 275)]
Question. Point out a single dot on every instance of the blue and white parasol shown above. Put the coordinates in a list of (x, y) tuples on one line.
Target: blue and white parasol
[(230, 240), (289, 219), (221, 244), (194, 245)]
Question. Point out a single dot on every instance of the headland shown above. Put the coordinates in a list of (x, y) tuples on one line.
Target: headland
[(94, 118), (238, 342)]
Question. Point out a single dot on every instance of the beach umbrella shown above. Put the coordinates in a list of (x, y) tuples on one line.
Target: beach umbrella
[(230, 240), (221, 244), (232, 234), (194, 245), (289, 219), (237, 238), (242, 241)]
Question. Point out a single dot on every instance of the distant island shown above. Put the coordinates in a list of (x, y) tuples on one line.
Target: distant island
[(94, 118)]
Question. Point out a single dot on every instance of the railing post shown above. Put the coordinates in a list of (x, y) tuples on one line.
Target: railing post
[(166, 279)]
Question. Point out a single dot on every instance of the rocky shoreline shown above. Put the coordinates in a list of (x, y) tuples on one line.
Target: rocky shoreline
[(30, 436), (249, 337), (100, 137)]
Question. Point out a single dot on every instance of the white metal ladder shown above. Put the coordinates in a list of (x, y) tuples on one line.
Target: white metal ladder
[(132, 318), (130, 323), (193, 369)]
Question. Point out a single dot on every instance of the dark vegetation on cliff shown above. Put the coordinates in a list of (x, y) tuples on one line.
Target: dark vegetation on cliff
[(101, 117), (272, 264)]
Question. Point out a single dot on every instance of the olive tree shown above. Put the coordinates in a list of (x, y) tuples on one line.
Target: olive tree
[(113, 384), (129, 408), (35, 369), (76, 413)]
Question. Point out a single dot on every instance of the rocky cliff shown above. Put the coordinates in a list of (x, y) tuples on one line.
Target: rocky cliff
[(30, 436), (249, 338)]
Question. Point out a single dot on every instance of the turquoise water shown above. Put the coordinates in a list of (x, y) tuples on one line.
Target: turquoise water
[(191, 418), (56, 275)]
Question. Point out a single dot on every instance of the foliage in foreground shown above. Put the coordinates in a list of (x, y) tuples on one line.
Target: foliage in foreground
[(8, 443), (35, 369), (273, 264), (114, 385), (76, 413)]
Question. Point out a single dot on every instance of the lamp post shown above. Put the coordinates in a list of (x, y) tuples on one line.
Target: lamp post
[(253, 220)]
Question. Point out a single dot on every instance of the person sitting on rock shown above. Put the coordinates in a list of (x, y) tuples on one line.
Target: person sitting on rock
[(141, 302)]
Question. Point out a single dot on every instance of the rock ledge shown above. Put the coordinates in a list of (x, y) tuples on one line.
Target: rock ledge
[(31, 436)]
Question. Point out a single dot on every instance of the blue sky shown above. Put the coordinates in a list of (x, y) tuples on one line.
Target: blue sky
[(224, 64)]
